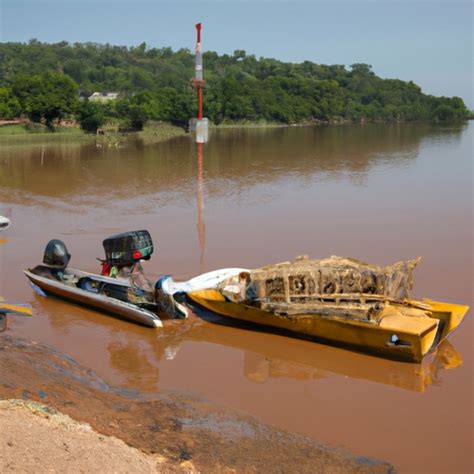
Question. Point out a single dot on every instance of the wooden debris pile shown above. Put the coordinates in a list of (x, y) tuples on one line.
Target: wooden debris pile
[(336, 286)]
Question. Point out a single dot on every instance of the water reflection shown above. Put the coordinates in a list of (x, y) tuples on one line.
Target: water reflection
[(3, 240), (259, 368), (126, 355), (200, 207), (83, 172), (135, 355), (301, 360)]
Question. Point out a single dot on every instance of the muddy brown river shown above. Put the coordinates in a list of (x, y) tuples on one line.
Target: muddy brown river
[(379, 193)]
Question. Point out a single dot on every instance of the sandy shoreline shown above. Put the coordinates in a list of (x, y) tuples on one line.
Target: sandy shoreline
[(38, 439), (177, 432)]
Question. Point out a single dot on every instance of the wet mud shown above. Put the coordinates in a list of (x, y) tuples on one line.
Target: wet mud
[(176, 425)]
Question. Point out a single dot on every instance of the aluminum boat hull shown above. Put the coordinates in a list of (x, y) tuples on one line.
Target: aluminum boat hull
[(100, 302)]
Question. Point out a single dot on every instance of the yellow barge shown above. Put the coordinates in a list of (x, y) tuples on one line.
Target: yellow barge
[(339, 301)]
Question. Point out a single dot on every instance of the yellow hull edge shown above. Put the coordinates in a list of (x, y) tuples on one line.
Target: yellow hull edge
[(12, 308), (414, 341)]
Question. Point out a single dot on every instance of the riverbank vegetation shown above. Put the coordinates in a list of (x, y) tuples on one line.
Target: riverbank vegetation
[(49, 82), (110, 136)]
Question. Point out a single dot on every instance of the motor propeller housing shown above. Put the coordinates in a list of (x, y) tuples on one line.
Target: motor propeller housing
[(56, 254)]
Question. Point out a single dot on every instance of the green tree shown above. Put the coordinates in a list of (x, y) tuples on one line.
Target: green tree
[(47, 97), (135, 110), (446, 113), (91, 116), (239, 86), (9, 105)]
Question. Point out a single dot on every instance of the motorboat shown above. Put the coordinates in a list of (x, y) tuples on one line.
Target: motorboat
[(340, 301), (94, 291), (337, 300), (121, 289)]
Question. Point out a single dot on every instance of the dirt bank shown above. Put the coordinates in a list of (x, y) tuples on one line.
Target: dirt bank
[(35, 438), (175, 428)]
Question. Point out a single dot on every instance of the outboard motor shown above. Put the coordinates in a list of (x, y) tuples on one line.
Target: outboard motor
[(123, 253), (125, 250), (56, 255), (128, 248)]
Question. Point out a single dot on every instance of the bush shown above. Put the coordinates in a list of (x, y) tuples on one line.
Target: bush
[(9, 105), (48, 96), (91, 116)]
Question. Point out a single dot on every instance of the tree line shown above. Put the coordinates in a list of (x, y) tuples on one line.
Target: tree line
[(47, 82)]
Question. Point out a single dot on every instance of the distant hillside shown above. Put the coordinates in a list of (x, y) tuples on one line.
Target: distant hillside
[(154, 83)]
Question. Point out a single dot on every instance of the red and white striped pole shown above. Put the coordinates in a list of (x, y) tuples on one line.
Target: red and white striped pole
[(199, 80), (200, 124)]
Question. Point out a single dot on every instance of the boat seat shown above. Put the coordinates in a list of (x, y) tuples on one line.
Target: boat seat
[(43, 271), (55, 274)]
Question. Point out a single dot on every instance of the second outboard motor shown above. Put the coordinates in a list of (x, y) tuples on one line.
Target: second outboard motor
[(128, 248), (56, 255)]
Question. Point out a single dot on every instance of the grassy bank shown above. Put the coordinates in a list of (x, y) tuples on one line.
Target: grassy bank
[(154, 132), (31, 134), (38, 129), (271, 124), (247, 124)]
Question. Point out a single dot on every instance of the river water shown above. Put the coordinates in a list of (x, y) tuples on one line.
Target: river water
[(380, 193)]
